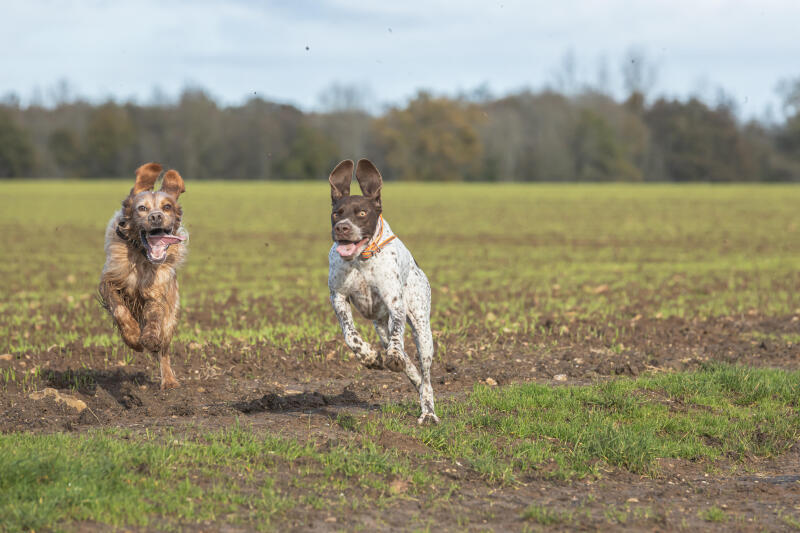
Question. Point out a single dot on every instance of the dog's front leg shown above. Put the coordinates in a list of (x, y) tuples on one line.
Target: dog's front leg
[(127, 325), (364, 352), (153, 339)]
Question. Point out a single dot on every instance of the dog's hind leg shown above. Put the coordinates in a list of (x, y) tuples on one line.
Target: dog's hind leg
[(382, 327), (418, 298), (159, 323), (168, 380), (396, 359), (423, 338)]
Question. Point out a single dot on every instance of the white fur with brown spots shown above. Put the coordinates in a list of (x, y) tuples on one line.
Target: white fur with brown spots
[(388, 288)]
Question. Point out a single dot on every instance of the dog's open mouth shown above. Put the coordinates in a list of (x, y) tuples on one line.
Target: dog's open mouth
[(348, 249), (157, 241)]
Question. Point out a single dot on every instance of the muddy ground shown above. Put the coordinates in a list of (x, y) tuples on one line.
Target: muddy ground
[(300, 393)]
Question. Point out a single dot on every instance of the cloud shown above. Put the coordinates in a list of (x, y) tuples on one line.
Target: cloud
[(291, 50)]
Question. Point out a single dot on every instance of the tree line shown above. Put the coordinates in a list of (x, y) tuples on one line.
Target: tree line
[(546, 135)]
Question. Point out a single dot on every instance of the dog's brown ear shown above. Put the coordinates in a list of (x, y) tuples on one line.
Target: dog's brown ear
[(146, 176), (370, 181), (340, 180), (173, 184)]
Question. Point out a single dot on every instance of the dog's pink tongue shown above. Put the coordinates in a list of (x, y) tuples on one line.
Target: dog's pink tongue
[(347, 250), (164, 240)]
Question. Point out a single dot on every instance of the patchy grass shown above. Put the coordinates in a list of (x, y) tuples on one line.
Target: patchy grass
[(564, 432), (559, 266), (59, 479), (545, 516), (787, 338), (164, 481), (791, 521), (713, 514), (504, 434), (604, 253)]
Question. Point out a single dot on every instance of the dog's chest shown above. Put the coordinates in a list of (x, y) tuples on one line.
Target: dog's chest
[(367, 283), (144, 280), (131, 283), (361, 291)]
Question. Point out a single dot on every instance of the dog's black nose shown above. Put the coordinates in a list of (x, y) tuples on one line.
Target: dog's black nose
[(156, 218), (342, 229)]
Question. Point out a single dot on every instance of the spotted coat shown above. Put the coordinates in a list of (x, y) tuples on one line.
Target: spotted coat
[(390, 289)]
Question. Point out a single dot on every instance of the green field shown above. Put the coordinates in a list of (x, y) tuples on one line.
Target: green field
[(638, 334), (518, 252)]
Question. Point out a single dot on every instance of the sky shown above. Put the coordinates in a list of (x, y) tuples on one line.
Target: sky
[(292, 51)]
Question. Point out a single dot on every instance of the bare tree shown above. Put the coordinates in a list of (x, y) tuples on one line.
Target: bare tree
[(789, 90), (566, 74), (346, 118), (639, 73), (11, 100), (61, 93), (340, 97), (602, 82)]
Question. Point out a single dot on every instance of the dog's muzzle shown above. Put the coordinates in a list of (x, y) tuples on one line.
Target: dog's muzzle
[(348, 239), (157, 241)]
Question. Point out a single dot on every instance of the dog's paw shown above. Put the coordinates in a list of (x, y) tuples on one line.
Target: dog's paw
[(430, 418), (150, 342), (170, 383), (133, 343), (374, 363), (394, 361)]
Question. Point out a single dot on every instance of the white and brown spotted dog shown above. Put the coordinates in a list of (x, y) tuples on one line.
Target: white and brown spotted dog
[(372, 270), (145, 245)]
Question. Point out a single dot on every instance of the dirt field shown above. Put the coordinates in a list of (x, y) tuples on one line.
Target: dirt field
[(561, 286)]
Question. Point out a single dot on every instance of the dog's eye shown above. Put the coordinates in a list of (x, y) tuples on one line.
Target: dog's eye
[(362, 213), (142, 208), (167, 207), (336, 215)]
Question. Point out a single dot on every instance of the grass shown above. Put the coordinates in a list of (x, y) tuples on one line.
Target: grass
[(544, 516), (603, 253), (162, 481), (505, 434), (544, 267), (518, 431), (713, 514), (792, 522)]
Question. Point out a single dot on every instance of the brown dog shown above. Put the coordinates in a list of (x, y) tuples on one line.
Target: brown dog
[(139, 286)]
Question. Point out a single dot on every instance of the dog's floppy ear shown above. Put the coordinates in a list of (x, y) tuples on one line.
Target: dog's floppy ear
[(173, 184), (370, 181), (340, 180), (146, 176)]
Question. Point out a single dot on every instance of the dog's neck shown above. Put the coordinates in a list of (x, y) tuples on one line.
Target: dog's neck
[(381, 228), (381, 237)]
